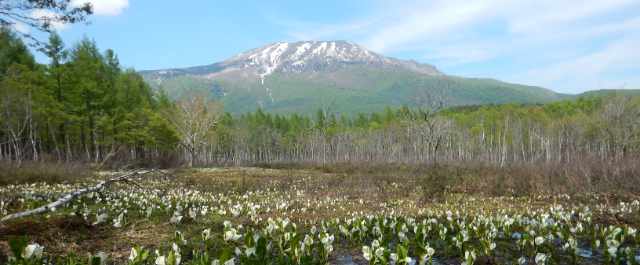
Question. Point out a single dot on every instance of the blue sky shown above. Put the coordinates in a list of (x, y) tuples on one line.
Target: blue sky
[(567, 46)]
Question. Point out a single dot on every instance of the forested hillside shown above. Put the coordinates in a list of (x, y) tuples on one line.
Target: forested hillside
[(81, 106)]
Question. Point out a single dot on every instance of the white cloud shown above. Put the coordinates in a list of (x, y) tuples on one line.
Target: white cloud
[(104, 7), (50, 17), (21, 27), (100, 7), (536, 41)]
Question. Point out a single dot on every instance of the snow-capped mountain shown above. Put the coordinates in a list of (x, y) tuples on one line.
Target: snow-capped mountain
[(316, 56), (298, 57), (306, 75)]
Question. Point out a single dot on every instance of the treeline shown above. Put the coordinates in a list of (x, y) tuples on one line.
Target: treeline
[(602, 128), (82, 106)]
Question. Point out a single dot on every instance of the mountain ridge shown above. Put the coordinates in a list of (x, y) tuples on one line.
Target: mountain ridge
[(305, 75)]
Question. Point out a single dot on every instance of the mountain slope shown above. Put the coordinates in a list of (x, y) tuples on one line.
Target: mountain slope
[(610, 93), (338, 76)]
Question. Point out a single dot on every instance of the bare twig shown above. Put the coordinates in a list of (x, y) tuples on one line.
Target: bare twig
[(67, 198)]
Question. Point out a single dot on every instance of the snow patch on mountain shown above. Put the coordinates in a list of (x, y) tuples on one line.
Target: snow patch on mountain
[(313, 56)]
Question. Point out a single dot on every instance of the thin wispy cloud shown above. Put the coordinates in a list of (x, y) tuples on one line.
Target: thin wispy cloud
[(461, 54), (540, 16), (616, 58), (427, 22), (557, 36)]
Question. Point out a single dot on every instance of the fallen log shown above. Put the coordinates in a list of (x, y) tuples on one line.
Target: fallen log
[(67, 198)]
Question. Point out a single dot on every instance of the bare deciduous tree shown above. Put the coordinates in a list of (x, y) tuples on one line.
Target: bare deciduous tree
[(194, 117)]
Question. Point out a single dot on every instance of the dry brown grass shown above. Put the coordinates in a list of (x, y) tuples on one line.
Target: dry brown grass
[(63, 235), (30, 172), (586, 176)]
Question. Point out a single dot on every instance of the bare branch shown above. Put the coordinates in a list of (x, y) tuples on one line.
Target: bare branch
[(57, 12)]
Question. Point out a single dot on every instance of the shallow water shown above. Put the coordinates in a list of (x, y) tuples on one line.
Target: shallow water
[(345, 260), (585, 253), (516, 235)]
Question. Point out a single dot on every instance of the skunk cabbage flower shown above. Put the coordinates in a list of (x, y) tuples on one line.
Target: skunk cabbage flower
[(613, 251), (161, 260), (308, 240), (522, 261), (175, 219), (206, 234), (394, 257), (250, 251), (231, 235), (367, 253), (469, 257), (32, 250), (430, 251), (230, 262), (102, 257), (117, 223), (101, 218), (134, 254), (541, 258)]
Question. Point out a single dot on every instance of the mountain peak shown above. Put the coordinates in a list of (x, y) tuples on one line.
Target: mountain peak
[(297, 57), (300, 51), (304, 56)]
